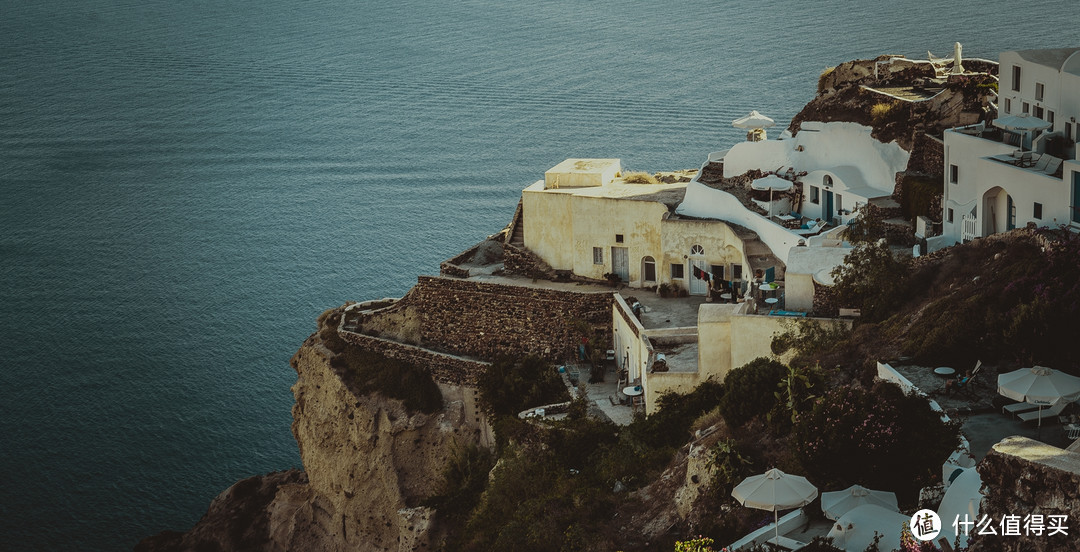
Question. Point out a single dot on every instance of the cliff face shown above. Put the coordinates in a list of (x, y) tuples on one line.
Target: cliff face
[(371, 463)]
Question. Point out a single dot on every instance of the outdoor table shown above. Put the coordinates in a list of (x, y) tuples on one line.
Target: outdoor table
[(772, 300), (945, 372), (725, 296), (632, 391)]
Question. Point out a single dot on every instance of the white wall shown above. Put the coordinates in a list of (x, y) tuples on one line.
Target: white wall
[(705, 202)]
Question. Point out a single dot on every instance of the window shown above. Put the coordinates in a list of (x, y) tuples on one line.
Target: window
[(598, 255), (676, 271), (648, 266), (618, 238), (1026, 108), (1037, 212), (1038, 112), (827, 181), (697, 250), (949, 216), (1016, 78), (815, 194), (1049, 116), (1039, 88), (839, 202), (717, 272), (1008, 105), (736, 272), (1068, 131), (954, 174)]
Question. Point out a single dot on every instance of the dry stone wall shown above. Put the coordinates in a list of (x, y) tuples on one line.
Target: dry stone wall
[(486, 320), (444, 368)]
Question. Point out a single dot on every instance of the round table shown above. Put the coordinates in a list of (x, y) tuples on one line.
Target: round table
[(772, 300), (632, 391), (725, 296), (945, 372)]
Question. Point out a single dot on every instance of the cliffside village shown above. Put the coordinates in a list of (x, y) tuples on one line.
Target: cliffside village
[(711, 264)]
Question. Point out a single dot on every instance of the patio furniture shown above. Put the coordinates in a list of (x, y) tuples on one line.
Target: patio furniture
[(1072, 431), (1052, 167), (1054, 410), (810, 229), (786, 543), (1017, 408), (1024, 160), (1041, 163)]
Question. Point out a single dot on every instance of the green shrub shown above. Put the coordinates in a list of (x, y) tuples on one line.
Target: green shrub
[(879, 438), (871, 279), (369, 372), (509, 386), (749, 391)]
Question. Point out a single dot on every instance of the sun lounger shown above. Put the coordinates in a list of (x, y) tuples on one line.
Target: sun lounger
[(1041, 163), (1047, 413), (1053, 166), (814, 229), (1017, 408), (787, 543)]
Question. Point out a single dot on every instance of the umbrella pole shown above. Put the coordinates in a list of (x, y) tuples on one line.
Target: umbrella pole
[(776, 525), (1039, 432)]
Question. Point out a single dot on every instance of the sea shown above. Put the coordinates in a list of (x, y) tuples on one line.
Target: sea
[(186, 185)]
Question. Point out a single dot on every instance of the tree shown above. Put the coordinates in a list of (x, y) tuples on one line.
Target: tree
[(872, 280)]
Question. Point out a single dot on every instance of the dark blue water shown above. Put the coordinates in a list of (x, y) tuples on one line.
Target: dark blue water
[(185, 186)]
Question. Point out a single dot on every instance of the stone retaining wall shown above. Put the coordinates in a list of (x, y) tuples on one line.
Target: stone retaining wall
[(444, 368), (486, 320)]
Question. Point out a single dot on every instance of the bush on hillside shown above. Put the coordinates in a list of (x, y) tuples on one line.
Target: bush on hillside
[(369, 372), (750, 391)]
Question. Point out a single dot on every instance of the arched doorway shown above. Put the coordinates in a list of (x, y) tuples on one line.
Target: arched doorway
[(648, 270), (998, 211)]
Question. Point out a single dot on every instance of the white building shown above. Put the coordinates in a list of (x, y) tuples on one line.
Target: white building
[(997, 179)]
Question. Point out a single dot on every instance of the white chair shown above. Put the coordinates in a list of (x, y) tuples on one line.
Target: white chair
[(1047, 413), (1053, 166), (1072, 432), (1017, 408)]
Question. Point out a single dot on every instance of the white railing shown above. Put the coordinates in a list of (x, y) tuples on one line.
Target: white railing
[(971, 228)]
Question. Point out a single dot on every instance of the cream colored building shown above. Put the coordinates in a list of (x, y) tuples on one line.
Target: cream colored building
[(583, 217)]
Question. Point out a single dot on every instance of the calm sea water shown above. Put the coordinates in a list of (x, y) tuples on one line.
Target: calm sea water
[(185, 186)]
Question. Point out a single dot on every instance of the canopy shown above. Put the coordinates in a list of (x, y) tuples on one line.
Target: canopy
[(854, 531), (1021, 122), (753, 120), (775, 490), (963, 497), (772, 183), (1039, 385), (838, 503)]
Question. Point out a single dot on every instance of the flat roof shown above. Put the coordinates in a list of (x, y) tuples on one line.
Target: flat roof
[(1050, 57), (660, 193)]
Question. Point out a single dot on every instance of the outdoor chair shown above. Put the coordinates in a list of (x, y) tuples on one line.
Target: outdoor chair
[(1024, 160), (1052, 167), (1018, 408), (1046, 414), (1041, 163), (1072, 432)]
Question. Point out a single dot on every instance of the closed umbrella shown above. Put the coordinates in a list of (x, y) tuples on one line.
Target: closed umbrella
[(1039, 385), (775, 490), (772, 183), (838, 503)]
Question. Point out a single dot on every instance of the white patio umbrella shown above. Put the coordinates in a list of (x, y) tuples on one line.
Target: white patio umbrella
[(1022, 123), (1039, 385), (772, 183), (837, 503), (753, 120), (775, 490), (854, 531)]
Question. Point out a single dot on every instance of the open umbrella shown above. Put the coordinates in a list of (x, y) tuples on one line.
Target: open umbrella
[(775, 490), (756, 123), (838, 503), (855, 530), (1022, 123), (753, 120), (772, 183), (1039, 385)]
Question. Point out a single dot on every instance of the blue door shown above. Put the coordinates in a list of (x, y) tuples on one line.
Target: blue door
[(1011, 210), (826, 212)]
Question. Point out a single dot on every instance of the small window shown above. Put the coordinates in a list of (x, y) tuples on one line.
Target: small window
[(954, 174), (1049, 116), (1068, 131), (1016, 78), (736, 272), (1038, 112), (618, 238), (1008, 105), (815, 194), (598, 255), (676, 271), (839, 202), (1039, 89), (949, 216), (1026, 108), (697, 250), (1038, 211), (827, 181), (717, 272)]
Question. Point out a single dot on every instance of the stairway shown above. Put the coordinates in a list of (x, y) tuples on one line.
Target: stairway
[(517, 239)]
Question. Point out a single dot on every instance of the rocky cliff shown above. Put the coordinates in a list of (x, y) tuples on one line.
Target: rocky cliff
[(369, 462)]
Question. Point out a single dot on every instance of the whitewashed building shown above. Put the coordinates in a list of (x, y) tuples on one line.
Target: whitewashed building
[(1004, 176)]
